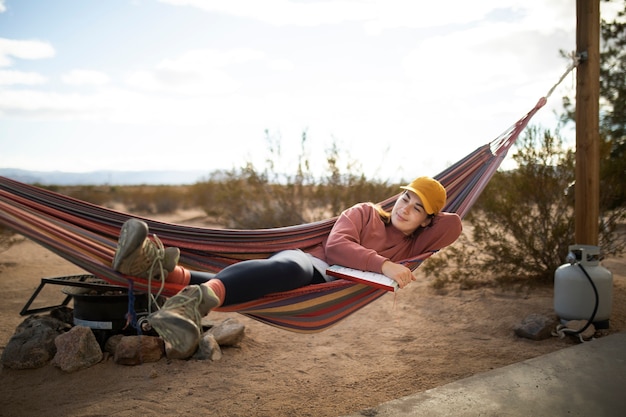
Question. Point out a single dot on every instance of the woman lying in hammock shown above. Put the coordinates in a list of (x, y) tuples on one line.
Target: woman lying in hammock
[(364, 237)]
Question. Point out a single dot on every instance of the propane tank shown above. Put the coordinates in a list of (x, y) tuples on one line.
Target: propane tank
[(574, 295)]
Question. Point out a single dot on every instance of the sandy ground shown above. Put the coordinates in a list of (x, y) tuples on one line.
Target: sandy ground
[(399, 345)]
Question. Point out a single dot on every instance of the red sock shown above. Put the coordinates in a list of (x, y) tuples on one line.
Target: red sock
[(218, 288), (179, 275)]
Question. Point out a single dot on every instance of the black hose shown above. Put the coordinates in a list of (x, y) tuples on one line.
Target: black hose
[(595, 309)]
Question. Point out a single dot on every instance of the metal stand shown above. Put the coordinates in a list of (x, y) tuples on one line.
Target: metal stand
[(84, 281)]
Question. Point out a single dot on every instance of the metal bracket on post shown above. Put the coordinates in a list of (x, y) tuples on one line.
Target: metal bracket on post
[(582, 56)]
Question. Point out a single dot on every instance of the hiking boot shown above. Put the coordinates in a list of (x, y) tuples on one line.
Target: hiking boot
[(138, 256), (179, 321)]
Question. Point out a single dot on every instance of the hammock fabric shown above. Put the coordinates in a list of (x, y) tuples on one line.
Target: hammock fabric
[(86, 235)]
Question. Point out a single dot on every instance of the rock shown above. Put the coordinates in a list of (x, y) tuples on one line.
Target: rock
[(37, 342), (172, 353), (32, 345), (230, 332), (64, 314), (536, 327), (112, 342), (135, 350), (47, 321), (209, 349), (207, 322), (77, 349)]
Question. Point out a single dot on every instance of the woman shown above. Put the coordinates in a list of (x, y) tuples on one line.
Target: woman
[(364, 237)]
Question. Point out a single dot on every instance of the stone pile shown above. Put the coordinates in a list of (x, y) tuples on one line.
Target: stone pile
[(52, 339)]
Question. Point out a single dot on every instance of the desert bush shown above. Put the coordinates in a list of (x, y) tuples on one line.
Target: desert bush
[(96, 194), (146, 199), (523, 223), (152, 199), (345, 184), (7, 238), (246, 199), (251, 197)]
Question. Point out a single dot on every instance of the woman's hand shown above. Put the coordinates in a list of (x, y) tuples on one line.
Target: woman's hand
[(399, 273)]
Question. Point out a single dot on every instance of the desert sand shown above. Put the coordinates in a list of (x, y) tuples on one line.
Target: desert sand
[(401, 344)]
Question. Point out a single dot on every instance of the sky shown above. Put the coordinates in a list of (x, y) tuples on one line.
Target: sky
[(402, 87)]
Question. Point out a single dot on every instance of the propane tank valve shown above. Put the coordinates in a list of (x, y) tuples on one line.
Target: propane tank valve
[(571, 258)]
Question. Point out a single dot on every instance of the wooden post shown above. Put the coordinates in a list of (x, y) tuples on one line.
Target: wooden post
[(587, 188)]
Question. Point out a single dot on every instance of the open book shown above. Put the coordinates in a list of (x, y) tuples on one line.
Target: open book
[(364, 277)]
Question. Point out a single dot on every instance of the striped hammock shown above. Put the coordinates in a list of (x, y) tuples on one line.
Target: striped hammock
[(86, 235)]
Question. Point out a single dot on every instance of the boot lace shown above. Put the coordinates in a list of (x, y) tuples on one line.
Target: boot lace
[(158, 257), (187, 304)]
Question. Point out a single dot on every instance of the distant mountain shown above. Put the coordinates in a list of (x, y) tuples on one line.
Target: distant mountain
[(105, 177)]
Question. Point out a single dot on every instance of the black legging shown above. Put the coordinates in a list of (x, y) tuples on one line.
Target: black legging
[(252, 279)]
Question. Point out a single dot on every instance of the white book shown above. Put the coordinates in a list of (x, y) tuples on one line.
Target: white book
[(373, 279)]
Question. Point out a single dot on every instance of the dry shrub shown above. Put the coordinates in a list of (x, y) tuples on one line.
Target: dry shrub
[(523, 223), (7, 238)]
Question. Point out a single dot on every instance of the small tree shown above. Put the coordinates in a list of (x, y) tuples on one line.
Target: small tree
[(613, 114), (252, 198), (345, 184)]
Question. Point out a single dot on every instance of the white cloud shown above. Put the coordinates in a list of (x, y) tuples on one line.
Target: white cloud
[(85, 77), (412, 14), (610, 10), (280, 65), (201, 72), (284, 12), (489, 57), (378, 15), (23, 50), (41, 104), (3, 8), (115, 105), (198, 60), (213, 82), (8, 77)]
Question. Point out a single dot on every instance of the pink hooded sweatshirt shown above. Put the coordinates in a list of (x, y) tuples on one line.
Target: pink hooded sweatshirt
[(361, 240)]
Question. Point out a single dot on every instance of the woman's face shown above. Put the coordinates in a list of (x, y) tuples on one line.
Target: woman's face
[(408, 213)]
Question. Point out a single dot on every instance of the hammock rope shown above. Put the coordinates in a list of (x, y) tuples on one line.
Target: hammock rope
[(86, 235), (576, 59)]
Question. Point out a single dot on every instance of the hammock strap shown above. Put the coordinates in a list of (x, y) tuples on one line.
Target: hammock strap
[(576, 59)]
